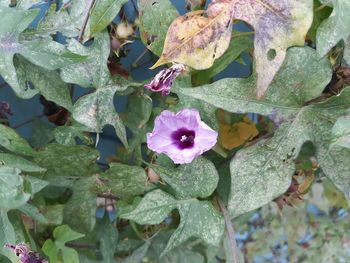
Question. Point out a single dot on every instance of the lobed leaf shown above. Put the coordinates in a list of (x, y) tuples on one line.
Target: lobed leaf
[(159, 13), (11, 141), (197, 40), (297, 123), (12, 190), (19, 162), (197, 179), (56, 249), (7, 236), (124, 181), (156, 205), (77, 161), (101, 15), (96, 110), (80, 210), (45, 52), (335, 28), (47, 82)]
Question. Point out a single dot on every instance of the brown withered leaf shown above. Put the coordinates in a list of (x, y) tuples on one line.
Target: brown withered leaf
[(197, 41), (198, 38)]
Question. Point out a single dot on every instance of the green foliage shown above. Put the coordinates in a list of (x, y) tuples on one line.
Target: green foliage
[(72, 203), (56, 249), (335, 28)]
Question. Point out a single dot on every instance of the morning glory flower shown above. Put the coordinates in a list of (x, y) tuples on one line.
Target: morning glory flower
[(182, 135), (24, 254), (163, 81)]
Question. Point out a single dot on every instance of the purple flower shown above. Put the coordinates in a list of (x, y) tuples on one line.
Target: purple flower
[(164, 79), (182, 135), (24, 254)]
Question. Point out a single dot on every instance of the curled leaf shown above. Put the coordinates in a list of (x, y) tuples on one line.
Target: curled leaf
[(197, 40)]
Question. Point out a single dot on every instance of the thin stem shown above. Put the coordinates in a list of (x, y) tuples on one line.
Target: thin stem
[(134, 64), (81, 33), (81, 245), (230, 232), (27, 121), (136, 230), (243, 34), (135, 6)]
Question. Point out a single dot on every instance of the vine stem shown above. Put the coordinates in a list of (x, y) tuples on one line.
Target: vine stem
[(81, 33), (321, 7), (230, 231), (28, 121)]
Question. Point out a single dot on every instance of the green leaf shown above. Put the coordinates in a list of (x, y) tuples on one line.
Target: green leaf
[(67, 20), (13, 23), (237, 46), (335, 28), (25, 4), (101, 15), (108, 238), (123, 181), (77, 161), (182, 253), (42, 133), (80, 210), (57, 249), (198, 219), (137, 255), (278, 25), (35, 184), (197, 179), (347, 51), (207, 111), (272, 159), (12, 191), (96, 110), (53, 213), (7, 236), (301, 78), (320, 15), (341, 131), (139, 110), (66, 134), (19, 162), (11, 141), (93, 72), (47, 82), (156, 205), (153, 208), (49, 54), (45, 53), (34, 213), (155, 19)]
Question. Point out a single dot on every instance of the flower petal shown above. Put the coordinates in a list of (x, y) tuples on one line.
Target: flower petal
[(162, 141)]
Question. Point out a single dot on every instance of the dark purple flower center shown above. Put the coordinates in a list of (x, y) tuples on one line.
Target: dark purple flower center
[(183, 138)]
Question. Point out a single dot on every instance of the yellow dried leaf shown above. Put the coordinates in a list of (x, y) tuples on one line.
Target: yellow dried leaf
[(197, 40), (232, 136), (306, 184)]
